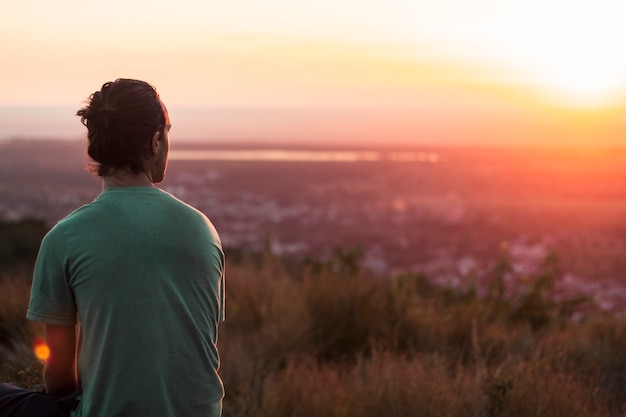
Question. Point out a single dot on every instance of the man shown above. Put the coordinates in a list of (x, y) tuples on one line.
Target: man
[(139, 270)]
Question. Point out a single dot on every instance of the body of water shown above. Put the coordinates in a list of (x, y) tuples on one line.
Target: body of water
[(288, 155)]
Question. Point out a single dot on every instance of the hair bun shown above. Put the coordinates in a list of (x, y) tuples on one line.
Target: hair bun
[(98, 113)]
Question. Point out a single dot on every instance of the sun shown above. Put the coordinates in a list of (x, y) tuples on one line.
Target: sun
[(569, 50)]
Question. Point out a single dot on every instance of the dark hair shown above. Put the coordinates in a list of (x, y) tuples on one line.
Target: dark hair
[(121, 120)]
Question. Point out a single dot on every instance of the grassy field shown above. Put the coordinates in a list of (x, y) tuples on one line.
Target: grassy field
[(324, 338)]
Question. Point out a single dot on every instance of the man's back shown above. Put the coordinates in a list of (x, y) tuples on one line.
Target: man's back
[(144, 273)]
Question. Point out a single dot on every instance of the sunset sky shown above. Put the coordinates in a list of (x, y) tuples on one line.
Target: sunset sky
[(548, 72)]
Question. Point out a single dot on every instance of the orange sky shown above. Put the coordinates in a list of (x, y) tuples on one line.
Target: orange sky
[(411, 71)]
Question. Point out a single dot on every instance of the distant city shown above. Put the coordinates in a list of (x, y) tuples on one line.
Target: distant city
[(449, 213)]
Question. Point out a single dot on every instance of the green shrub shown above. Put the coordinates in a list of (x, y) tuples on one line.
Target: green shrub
[(19, 242)]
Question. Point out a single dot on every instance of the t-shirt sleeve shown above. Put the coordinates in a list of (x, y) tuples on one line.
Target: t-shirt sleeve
[(223, 297), (222, 284), (52, 299)]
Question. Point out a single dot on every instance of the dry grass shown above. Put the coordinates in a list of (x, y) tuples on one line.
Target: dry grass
[(14, 295), (326, 341), (17, 361)]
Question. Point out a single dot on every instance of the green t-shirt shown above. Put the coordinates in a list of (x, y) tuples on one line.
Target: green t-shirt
[(143, 272)]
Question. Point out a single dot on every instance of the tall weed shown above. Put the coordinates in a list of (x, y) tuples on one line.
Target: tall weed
[(328, 339)]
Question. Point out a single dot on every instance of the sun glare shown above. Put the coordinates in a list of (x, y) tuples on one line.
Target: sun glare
[(568, 50), (42, 351)]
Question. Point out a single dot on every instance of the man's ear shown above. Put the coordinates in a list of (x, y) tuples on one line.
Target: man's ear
[(154, 144)]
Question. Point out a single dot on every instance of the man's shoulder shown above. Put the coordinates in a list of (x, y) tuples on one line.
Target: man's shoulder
[(192, 215), (73, 217), (182, 205)]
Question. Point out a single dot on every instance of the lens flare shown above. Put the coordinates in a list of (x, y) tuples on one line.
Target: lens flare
[(42, 351)]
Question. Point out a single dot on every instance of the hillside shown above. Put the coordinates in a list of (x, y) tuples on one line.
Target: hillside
[(326, 338)]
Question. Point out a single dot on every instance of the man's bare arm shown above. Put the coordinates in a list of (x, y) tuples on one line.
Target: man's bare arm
[(60, 371)]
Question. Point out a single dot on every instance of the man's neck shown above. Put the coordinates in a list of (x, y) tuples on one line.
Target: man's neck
[(124, 178)]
